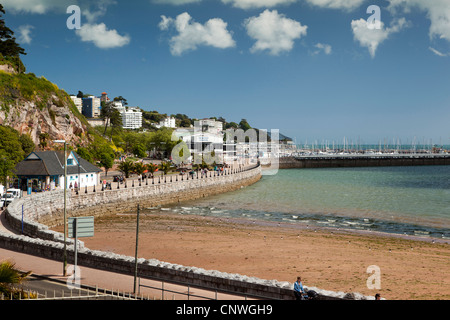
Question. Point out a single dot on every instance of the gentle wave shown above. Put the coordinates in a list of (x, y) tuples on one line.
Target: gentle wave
[(405, 200)]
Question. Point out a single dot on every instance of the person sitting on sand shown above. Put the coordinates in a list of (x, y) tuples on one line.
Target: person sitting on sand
[(299, 292)]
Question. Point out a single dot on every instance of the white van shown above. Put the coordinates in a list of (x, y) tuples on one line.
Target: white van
[(6, 199), (17, 193)]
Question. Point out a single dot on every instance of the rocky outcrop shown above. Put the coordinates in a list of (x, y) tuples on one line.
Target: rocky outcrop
[(58, 121), (38, 108), (7, 68)]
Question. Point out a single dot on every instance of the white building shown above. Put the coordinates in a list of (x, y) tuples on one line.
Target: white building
[(168, 122), (210, 126), (78, 103), (205, 139), (96, 122), (46, 170), (131, 118)]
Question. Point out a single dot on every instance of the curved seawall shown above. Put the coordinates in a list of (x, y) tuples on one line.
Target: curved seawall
[(34, 214), (37, 239)]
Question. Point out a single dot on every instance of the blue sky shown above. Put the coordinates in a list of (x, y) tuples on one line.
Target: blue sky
[(310, 68)]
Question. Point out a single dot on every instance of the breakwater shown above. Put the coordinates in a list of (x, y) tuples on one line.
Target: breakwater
[(363, 160)]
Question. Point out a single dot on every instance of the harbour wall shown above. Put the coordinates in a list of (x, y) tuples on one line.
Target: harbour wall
[(362, 161)]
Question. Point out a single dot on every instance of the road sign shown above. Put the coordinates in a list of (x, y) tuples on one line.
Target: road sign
[(81, 227)]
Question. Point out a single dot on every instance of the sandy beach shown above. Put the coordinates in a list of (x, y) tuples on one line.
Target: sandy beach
[(336, 260)]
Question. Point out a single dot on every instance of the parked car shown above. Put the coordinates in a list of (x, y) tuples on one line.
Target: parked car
[(6, 199), (17, 193)]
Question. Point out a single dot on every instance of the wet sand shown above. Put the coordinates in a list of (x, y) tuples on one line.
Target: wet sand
[(336, 260)]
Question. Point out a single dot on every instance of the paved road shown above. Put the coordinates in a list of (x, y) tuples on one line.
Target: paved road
[(50, 289)]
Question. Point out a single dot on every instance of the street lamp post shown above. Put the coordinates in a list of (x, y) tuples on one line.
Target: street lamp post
[(65, 205)]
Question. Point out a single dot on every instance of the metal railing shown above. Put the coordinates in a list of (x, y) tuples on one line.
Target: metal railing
[(85, 293), (163, 179), (187, 291)]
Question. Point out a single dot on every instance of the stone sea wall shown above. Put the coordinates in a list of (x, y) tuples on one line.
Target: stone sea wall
[(31, 216)]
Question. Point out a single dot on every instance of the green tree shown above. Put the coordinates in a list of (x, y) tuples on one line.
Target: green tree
[(139, 168), (115, 121), (244, 125), (139, 150), (43, 140), (10, 144), (126, 167), (233, 125), (9, 48), (106, 113), (10, 278), (27, 144), (6, 168), (185, 123), (130, 139), (106, 161), (166, 167), (85, 154), (162, 141), (121, 99), (152, 168)]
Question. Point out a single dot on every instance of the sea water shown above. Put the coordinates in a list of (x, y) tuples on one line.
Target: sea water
[(406, 200)]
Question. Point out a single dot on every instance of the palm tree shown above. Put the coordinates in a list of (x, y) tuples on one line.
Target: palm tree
[(10, 278), (126, 167), (139, 168), (152, 168), (165, 167)]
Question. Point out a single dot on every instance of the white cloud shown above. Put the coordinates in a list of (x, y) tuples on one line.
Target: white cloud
[(101, 36), (192, 34), (337, 4), (175, 2), (247, 4), (98, 33), (438, 53), (326, 48), (165, 23), (35, 6), (273, 32), (25, 34), (438, 11), (372, 38)]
